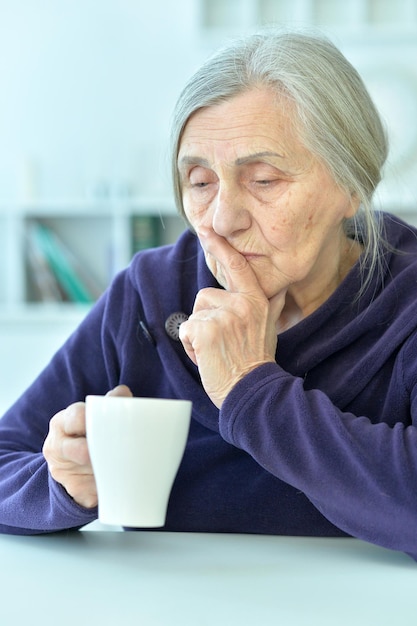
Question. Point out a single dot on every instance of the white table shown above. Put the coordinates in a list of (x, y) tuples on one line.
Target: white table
[(164, 579)]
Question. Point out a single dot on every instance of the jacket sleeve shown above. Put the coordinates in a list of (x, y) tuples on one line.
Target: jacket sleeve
[(361, 476), (30, 500)]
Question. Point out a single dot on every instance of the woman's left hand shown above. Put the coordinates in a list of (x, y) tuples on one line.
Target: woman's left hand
[(230, 332)]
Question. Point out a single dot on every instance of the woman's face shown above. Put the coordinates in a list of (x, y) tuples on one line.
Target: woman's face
[(245, 174)]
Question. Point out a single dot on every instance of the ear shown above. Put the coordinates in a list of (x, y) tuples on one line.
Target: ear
[(353, 206)]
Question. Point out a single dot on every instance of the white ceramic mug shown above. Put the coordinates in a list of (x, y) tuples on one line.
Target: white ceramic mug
[(136, 446)]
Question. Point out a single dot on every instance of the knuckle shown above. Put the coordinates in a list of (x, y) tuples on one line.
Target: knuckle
[(46, 448), (182, 331), (56, 421), (201, 300)]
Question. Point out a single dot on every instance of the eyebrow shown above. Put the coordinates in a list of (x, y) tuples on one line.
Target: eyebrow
[(250, 158), (190, 160), (256, 156)]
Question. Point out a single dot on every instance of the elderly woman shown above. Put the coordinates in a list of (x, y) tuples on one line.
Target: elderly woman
[(300, 348)]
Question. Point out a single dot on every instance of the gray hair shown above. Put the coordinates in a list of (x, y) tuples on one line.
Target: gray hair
[(334, 113)]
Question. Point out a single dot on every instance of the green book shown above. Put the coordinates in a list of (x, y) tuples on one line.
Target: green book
[(60, 262), (146, 232)]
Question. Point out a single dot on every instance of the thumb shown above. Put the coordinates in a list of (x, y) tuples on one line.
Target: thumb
[(276, 305), (120, 390)]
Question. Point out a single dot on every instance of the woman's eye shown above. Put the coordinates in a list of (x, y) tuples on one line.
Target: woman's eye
[(200, 177), (265, 182), (263, 176)]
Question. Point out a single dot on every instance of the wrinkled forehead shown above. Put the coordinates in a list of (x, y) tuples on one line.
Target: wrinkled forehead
[(253, 126), (257, 117)]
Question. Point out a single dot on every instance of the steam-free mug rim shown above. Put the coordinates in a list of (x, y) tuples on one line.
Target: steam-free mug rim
[(137, 398)]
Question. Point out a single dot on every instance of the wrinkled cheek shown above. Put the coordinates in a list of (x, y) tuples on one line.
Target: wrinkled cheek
[(196, 216)]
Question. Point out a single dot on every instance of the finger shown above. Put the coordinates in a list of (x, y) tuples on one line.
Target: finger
[(211, 298), (120, 390), (238, 273), (73, 420), (75, 450), (276, 305), (185, 338)]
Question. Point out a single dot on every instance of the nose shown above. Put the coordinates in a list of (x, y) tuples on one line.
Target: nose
[(230, 213)]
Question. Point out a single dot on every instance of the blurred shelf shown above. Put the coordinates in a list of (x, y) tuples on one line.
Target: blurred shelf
[(58, 256)]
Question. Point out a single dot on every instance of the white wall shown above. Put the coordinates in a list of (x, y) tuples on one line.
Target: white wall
[(27, 343), (86, 93), (88, 86), (87, 90)]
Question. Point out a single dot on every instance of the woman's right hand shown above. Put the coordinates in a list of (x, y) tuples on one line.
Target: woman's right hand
[(66, 451)]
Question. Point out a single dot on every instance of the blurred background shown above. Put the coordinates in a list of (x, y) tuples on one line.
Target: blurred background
[(87, 89)]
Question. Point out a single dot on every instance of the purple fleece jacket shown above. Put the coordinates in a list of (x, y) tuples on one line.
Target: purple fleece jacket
[(324, 442)]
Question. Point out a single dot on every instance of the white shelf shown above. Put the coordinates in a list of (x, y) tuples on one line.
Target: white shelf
[(98, 233)]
